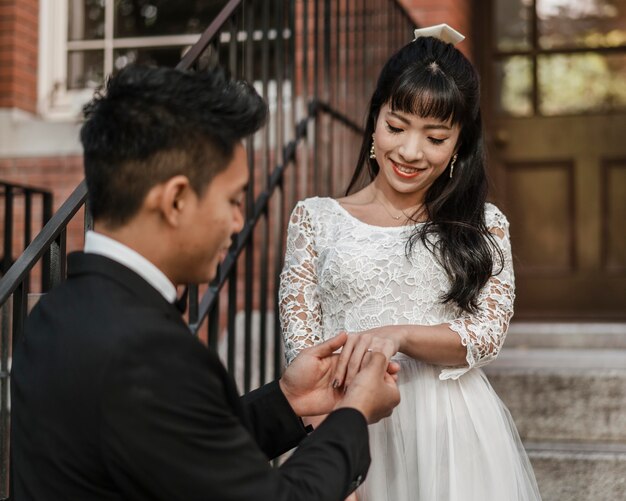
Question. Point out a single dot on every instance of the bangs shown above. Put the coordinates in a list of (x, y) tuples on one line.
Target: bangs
[(428, 93)]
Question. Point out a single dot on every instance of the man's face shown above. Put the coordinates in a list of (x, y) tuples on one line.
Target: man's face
[(212, 220)]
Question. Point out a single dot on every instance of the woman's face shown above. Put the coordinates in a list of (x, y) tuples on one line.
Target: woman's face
[(412, 151)]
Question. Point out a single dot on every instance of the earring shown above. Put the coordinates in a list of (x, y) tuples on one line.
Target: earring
[(452, 164), (372, 151)]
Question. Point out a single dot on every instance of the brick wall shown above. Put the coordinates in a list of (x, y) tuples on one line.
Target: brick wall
[(19, 25), (61, 172)]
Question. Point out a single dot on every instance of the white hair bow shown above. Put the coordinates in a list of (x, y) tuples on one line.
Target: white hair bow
[(441, 31)]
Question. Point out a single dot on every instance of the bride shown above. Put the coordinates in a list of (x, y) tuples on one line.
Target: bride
[(413, 262)]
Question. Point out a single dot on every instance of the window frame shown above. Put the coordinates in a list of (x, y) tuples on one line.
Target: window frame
[(533, 53), (54, 100)]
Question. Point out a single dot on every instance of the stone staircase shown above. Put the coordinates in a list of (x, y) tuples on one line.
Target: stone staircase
[(565, 385)]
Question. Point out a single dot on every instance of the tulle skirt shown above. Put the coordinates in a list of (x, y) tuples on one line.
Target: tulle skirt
[(451, 440)]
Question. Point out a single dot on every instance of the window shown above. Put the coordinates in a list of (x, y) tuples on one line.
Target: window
[(560, 57), (83, 40)]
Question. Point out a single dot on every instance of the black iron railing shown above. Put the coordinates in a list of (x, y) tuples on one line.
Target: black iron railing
[(315, 63), (26, 210)]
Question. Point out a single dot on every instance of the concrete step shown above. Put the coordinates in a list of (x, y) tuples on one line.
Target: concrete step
[(565, 385), (563, 395), (579, 472), (567, 335)]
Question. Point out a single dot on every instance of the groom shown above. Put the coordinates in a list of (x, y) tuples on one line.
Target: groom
[(112, 397)]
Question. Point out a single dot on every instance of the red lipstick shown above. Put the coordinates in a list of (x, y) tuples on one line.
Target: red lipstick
[(405, 175)]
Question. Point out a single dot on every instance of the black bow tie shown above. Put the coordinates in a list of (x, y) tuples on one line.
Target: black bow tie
[(181, 302)]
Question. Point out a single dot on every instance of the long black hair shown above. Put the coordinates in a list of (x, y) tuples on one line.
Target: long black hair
[(433, 79)]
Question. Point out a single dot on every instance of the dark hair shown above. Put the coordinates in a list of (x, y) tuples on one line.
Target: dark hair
[(432, 78), (150, 124)]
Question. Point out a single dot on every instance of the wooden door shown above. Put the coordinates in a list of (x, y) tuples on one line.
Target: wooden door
[(557, 138)]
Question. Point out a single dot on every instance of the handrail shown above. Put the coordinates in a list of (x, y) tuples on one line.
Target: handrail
[(207, 36), (25, 187), (337, 115)]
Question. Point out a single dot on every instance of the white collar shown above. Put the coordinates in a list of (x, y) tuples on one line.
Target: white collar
[(96, 243)]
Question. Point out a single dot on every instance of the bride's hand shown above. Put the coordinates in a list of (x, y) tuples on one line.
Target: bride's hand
[(358, 344)]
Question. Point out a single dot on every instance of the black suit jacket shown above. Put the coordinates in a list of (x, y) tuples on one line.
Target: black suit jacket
[(113, 398)]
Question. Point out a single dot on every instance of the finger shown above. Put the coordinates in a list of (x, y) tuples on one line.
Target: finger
[(389, 349), (393, 368), (392, 386), (385, 346), (354, 365), (342, 364), (327, 348), (375, 361)]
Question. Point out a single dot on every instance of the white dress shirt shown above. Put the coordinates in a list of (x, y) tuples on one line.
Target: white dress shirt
[(96, 243)]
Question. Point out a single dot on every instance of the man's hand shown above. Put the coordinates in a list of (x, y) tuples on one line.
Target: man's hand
[(373, 391), (308, 381), (310, 384)]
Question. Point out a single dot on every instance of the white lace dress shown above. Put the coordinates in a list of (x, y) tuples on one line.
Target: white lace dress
[(451, 438)]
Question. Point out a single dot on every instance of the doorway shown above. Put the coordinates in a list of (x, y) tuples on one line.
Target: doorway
[(555, 97)]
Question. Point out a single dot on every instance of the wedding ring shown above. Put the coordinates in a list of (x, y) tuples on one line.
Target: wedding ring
[(369, 349)]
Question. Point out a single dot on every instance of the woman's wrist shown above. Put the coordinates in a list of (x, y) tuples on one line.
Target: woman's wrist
[(397, 334)]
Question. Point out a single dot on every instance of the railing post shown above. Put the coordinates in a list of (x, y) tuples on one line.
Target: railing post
[(214, 321), (231, 355), (20, 298), (249, 258), (28, 218), (316, 93), (5, 353), (264, 176), (88, 216), (7, 258), (324, 139), (193, 304), (57, 259), (46, 278), (278, 259), (232, 46)]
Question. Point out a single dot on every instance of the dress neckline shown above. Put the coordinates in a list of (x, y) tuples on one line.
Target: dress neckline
[(346, 212)]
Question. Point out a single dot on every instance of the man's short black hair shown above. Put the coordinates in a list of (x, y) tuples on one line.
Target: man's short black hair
[(150, 124)]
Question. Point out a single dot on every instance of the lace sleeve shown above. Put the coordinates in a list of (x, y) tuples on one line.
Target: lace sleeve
[(300, 311), (483, 332)]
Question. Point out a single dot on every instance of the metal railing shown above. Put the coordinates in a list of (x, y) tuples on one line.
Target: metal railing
[(315, 63), (26, 210)]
